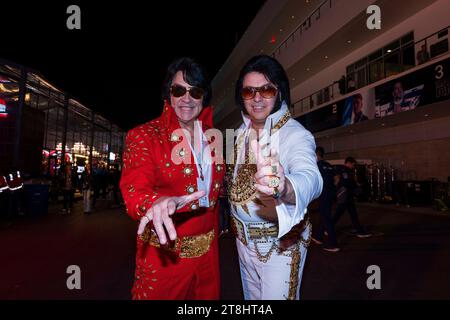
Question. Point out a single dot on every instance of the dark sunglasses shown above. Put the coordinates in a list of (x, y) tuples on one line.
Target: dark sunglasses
[(267, 91), (179, 91)]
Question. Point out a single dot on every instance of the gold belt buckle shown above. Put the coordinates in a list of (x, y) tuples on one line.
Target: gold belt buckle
[(264, 232)]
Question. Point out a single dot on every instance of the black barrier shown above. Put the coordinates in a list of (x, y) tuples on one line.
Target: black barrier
[(36, 199), (414, 193)]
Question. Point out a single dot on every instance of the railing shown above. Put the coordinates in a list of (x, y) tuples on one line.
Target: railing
[(332, 92), (305, 25)]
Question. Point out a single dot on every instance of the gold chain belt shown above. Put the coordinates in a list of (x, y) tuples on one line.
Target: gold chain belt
[(295, 232), (188, 247)]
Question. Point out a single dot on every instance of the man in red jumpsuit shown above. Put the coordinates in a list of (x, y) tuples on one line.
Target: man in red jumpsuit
[(170, 181)]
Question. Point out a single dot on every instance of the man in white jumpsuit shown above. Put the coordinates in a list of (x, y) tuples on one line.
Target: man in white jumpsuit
[(275, 177)]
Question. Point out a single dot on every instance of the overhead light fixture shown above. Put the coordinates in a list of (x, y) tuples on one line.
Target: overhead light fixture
[(349, 41), (326, 57), (292, 17), (389, 50), (307, 69), (281, 30)]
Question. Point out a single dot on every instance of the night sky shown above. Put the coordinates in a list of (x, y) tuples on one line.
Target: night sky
[(116, 63)]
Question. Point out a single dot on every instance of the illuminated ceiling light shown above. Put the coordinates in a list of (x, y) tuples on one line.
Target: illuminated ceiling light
[(382, 124), (293, 79), (389, 50), (292, 17), (426, 115), (281, 30), (326, 57), (307, 69), (349, 41)]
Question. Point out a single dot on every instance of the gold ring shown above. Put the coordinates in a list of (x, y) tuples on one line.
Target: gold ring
[(274, 182)]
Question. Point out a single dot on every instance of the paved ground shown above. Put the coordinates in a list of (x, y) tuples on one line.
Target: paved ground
[(411, 246)]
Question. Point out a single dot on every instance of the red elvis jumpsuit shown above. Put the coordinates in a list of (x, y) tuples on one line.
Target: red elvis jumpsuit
[(189, 269)]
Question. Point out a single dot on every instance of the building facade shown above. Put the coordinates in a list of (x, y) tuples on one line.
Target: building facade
[(40, 125), (381, 95)]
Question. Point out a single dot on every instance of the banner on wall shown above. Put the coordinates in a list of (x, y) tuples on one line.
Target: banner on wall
[(422, 87), (358, 108), (353, 109)]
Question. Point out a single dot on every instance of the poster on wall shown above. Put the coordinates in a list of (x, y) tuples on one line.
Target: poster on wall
[(327, 117), (356, 108), (422, 87)]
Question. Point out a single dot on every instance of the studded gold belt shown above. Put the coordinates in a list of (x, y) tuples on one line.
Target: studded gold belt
[(188, 247)]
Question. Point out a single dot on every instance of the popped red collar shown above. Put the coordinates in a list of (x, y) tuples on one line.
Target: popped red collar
[(170, 117)]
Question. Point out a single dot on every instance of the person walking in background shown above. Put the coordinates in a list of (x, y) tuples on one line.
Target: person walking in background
[(95, 184), (114, 175), (68, 189), (326, 199), (87, 181), (345, 197)]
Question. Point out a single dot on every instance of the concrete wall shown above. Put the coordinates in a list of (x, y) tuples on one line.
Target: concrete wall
[(421, 160)]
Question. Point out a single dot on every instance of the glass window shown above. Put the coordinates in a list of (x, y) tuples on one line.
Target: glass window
[(392, 64), (53, 117), (377, 54), (319, 97), (408, 59), (407, 38), (350, 68), (376, 70), (391, 47), (361, 63), (9, 89), (360, 77)]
